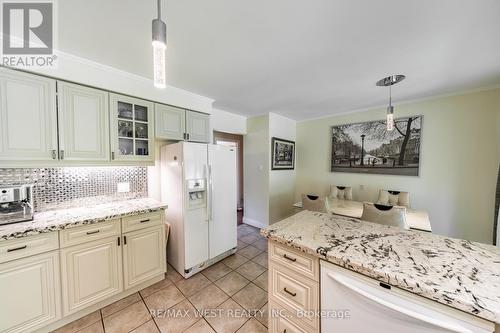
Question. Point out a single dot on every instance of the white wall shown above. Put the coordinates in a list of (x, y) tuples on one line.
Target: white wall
[(79, 70), (256, 172), (281, 182), (460, 157), (228, 122)]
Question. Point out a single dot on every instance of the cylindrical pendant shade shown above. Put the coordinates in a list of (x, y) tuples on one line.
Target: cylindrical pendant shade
[(159, 29)]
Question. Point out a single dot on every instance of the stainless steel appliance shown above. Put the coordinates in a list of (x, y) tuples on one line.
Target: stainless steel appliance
[(16, 204)]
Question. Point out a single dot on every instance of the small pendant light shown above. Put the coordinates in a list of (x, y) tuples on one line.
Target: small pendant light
[(390, 81), (159, 47)]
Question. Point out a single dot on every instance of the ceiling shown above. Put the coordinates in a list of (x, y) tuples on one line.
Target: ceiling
[(298, 58)]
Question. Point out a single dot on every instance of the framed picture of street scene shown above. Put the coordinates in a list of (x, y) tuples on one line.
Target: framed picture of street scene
[(370, 148), (282, 154)]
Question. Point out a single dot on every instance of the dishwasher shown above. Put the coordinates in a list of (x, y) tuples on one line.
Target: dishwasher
[(351, 302)]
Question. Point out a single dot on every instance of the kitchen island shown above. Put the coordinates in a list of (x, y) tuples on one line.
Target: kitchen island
[(460, 274)]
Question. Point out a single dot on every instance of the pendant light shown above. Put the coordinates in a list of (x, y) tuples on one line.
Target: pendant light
[(159, 47), (390, 81)]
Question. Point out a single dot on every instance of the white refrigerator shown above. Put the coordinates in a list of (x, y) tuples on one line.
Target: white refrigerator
[(198, 182)]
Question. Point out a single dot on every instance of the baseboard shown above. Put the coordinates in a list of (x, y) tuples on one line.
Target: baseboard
[(253, 223)]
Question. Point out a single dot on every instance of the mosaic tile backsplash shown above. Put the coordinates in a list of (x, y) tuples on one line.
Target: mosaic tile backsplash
[(57, 188)]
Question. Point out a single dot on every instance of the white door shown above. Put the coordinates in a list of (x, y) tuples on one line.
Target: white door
[(30, 292), (197, 126), (91, 272), (375, 308), (195, 219), (28, 121), (170, 122), (83, 123), (132, 127), (222, 205), (143, 255)]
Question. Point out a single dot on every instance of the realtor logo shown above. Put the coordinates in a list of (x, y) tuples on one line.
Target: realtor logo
[(28, 34)]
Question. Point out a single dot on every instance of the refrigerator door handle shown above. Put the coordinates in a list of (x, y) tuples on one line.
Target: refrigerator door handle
[(210, 193), (211, 185), (395, 307)]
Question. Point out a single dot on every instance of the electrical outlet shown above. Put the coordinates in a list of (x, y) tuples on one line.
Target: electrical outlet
[(123, 187)]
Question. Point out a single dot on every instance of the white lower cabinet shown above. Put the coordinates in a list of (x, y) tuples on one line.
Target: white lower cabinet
[(46, 277), (91, 272), (30, 293), (143, 255)]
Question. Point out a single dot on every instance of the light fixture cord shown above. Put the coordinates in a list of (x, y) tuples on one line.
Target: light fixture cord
[(159, 9), (390, 94)]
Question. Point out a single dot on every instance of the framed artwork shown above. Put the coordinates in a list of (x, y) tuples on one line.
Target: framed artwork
[(369, 148), (282, 154)]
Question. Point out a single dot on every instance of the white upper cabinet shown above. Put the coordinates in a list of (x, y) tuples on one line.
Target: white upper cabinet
[(197, 126), (83, 115), (170, 122), (173, 123), (28, 117), (132, 129)]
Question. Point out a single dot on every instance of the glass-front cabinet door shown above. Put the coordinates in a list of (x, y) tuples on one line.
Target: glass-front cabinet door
[(131, 129)]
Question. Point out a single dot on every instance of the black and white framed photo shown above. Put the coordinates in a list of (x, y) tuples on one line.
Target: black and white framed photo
[(369, 148), (282, 154)]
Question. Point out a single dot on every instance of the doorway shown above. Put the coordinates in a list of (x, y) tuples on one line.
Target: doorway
[(236, 141)]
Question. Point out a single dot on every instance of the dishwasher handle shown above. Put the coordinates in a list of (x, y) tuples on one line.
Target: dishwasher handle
[(439, 323)]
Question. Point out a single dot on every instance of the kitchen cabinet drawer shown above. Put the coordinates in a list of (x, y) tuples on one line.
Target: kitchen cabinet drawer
[(293, 291), (87, 233), (28, 246), (141, 221), (295, 260), (279, 321)]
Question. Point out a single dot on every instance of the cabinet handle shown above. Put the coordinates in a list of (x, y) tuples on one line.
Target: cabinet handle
[(144, 221), (17, 248), (289, 292), (118, 239), (54, 154), (124, 240), (289, 258), (112, 155), (61, 154), (284, 331), (188, 136), (92, 232)]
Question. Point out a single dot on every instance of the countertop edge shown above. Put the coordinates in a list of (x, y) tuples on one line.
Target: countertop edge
[(76, 223)]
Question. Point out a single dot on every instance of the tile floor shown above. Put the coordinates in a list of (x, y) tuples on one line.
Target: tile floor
[(230, 296)]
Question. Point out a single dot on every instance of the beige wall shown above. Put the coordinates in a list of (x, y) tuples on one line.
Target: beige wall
[(281, 182), (460, 155), (256, 172)]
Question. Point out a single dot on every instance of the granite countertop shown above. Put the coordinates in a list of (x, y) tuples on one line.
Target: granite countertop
[(462, 274), (72, 217)]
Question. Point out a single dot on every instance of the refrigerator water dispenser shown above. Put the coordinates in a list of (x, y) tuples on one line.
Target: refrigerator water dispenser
[(196, 193)]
